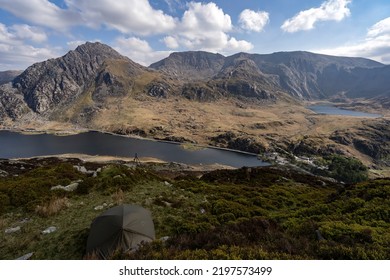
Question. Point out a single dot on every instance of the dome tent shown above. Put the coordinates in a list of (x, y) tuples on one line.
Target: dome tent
[(122, 227)]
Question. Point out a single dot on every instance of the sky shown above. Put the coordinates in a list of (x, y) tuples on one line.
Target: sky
[(149, 30)]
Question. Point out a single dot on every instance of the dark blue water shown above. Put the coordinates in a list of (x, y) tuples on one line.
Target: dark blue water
[(330, 110), (16, 145)]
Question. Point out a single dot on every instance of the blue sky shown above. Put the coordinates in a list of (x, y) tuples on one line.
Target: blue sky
[(149, 30)]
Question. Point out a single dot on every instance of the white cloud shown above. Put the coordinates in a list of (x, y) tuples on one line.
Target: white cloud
[(202, 26), (5, 35), (382, 27), (171, 42), (41, 12), (134, 44), (15, 53), (234, 45), (139, 50), (127, 16), (205, 18), (17, 33), (253, 21), (376, 45), (330, 10), (205, 27), (24, 31)]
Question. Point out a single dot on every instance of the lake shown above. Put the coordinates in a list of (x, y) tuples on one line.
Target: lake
[(17, 145), (331, 110)]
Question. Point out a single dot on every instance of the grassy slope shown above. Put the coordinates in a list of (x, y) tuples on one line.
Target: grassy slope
[(265, 213)]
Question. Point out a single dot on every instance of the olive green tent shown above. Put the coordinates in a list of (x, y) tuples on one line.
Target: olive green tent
[(123, 227)]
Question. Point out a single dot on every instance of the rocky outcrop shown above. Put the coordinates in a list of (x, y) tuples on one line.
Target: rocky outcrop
[(373, 139), (200, 92), (12, 104), (130, 131), (243, 143), (313, 147), (159, 89)]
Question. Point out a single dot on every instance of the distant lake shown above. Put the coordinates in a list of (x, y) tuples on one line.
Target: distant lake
[(331, 110), (17, 145)]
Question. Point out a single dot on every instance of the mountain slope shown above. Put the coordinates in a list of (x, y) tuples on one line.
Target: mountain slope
[(54, 81), (192, 65), (8, 76), (57, 85)]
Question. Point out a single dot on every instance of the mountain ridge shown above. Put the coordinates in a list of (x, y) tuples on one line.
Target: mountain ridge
[(194, 75), (304, 75)]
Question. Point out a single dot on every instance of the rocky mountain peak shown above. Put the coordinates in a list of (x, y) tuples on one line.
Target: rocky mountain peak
[(190, 65), (53, 81), (97, 49)]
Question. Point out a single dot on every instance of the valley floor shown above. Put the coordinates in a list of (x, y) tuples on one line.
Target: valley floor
[(285, 127)]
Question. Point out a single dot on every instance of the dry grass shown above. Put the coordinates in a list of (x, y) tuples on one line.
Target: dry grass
[(118, 197), (52, 207)]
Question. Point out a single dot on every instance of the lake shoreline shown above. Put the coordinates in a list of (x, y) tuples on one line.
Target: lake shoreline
[(76, 132), (332, 109), (106, 145)]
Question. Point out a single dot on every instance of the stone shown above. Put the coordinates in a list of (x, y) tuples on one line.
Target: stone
[(319, 235), (69, 188), (26, 256), (164, 238), (49, 230), (12, 230)]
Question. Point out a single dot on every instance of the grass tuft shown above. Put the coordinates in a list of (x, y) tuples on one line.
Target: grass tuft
[(53, 207)]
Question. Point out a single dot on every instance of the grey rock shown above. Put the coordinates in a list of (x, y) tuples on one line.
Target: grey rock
[(26, 256), (12, 230), (81, 169), (49, 230), (164, 238), (69, 188), (319, 235)]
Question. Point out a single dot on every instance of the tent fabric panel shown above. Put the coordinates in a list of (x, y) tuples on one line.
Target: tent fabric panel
[(123, 227)]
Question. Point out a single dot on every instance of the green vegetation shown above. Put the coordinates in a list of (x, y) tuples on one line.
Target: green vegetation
[(344, 169), (249, 213), (348, 170)]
